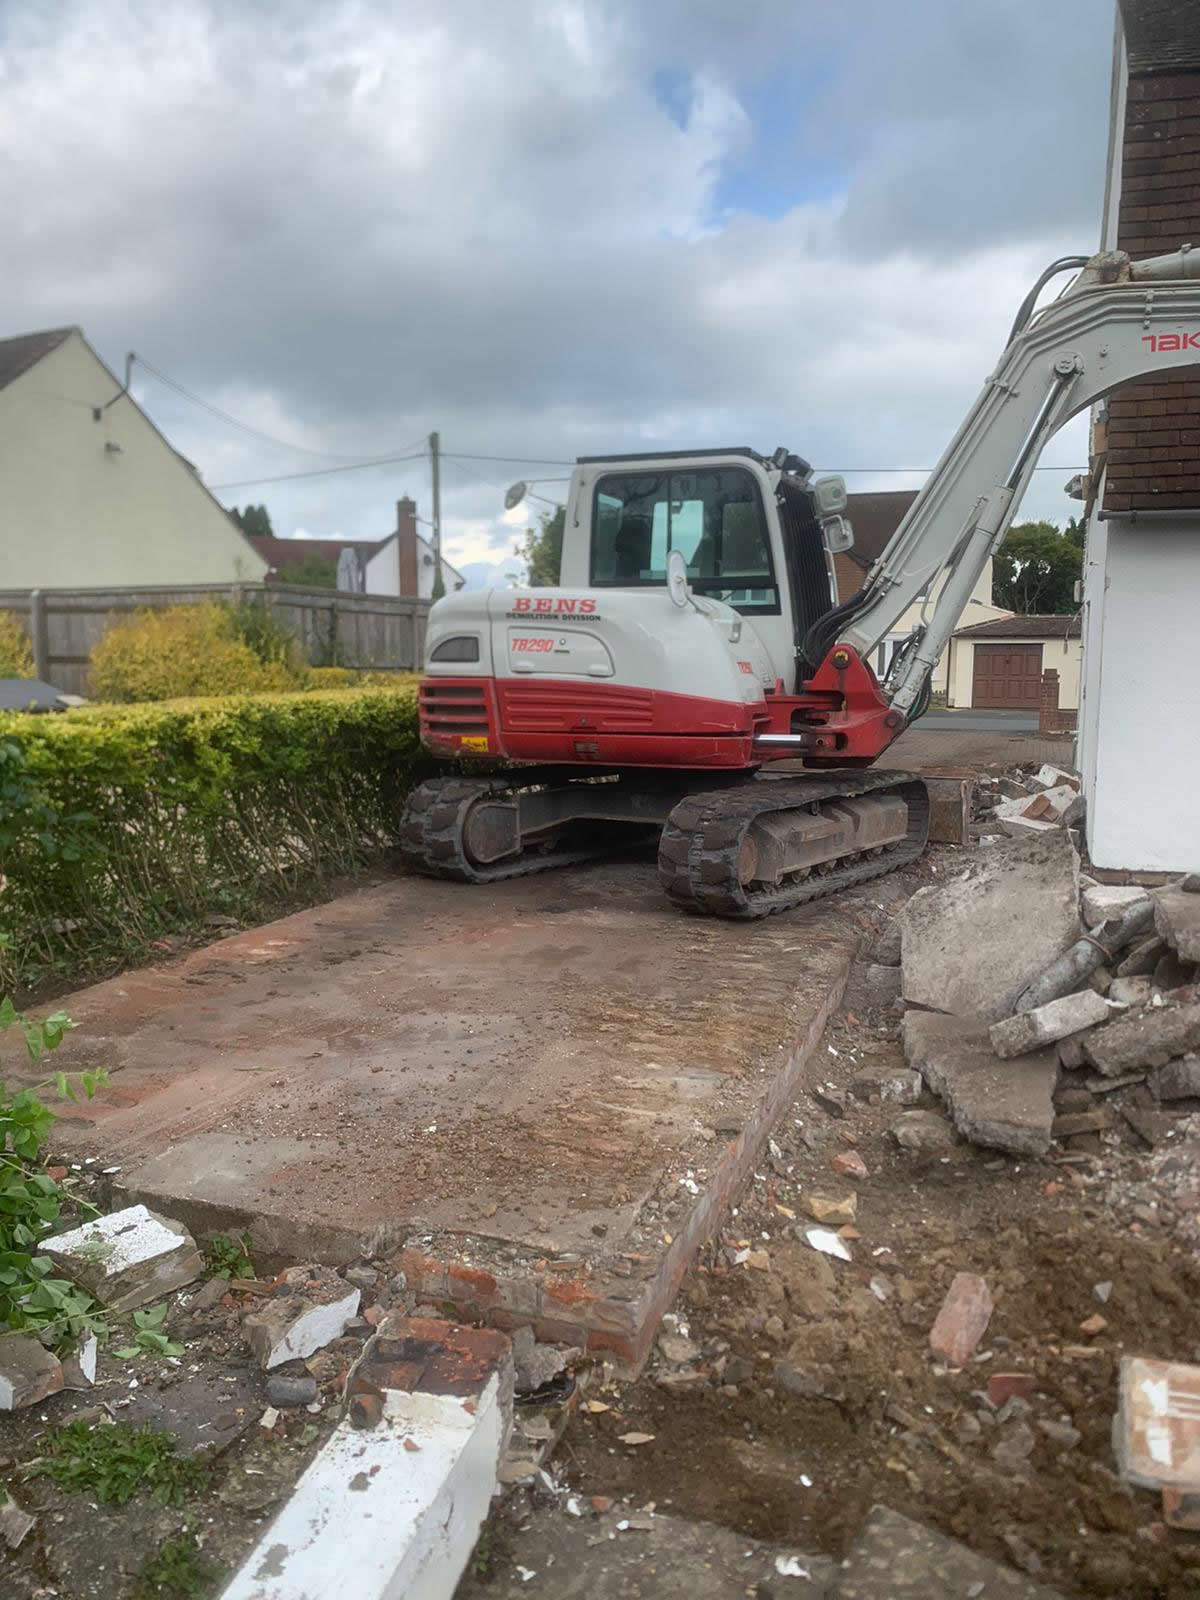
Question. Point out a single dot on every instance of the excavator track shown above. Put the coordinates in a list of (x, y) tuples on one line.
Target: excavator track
[(701, 845), (700, 848), (432, 833)]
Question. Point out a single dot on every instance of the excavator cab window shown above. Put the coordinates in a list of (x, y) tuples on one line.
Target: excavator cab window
[(712, 516)]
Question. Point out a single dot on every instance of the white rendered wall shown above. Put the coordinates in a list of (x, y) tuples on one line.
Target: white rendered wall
[(1141, 732), (108, 503)]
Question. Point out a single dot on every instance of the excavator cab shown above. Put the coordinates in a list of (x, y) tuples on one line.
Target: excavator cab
[(754, 533)]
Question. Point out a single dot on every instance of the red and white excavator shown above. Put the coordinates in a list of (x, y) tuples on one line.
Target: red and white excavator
[(697, 637)]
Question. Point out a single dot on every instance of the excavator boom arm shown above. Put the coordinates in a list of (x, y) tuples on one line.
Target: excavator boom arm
[(1118, 321)]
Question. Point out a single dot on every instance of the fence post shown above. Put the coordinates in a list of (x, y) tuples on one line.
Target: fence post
[(38, 635)]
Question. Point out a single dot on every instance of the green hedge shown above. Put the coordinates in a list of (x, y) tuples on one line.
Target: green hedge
[(121, 824)]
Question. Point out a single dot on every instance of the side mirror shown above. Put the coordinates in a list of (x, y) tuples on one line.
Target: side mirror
[(839, 534), (830, 496)]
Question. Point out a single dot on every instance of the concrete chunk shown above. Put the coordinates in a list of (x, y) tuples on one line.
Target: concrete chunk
[(1105, 901), (880, 984), (962, 1321), (14, 1523), (28, 1372), (971, 947), (79, 1369), (1177, 918), (1007, 1105), (1178, 1080), (1051, 777), (923, 1133), (1131, 991), (128, 1258), (1147, 1039), (1028, 815), (886, 950), (1058, 1019), (1143, 957), (896, 1559), (1070, 1052), (949, 807), (309, 1309)]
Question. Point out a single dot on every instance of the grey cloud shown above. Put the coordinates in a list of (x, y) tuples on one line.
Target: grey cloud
[(362, 221)]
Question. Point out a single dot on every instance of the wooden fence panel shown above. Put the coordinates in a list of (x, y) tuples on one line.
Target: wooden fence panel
[(383, 633)]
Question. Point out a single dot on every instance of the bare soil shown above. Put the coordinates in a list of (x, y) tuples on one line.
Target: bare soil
[(212, 1400), (880, 1420)]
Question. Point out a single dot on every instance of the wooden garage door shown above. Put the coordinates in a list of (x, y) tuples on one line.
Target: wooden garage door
[(1007, 675)]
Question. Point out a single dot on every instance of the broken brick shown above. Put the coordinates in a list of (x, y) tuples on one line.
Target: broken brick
[(962, 1321), (1156, 1436), (1003, 1385), (849, 1164), (28, 1372), (309, 1309)]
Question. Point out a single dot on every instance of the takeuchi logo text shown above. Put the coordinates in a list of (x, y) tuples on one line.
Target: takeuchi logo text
[(1160, 342)]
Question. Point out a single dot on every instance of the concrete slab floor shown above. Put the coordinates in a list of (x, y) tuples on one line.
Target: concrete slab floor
[(540, 1095), (623, 1552)]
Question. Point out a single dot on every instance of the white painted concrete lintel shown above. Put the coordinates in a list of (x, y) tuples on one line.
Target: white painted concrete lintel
[(376, 1519)]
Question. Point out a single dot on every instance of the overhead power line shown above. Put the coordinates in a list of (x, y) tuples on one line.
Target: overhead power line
[(321, 472), (236, 422), (411, 452)]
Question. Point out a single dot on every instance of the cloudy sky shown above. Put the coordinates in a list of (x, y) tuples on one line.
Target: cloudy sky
[(545, 228)]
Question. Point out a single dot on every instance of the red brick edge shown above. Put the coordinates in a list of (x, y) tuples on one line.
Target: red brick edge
[(574, 1310)]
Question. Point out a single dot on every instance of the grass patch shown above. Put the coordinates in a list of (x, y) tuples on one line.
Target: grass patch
[(115, 1463), (227, 1257), (178, 1572)]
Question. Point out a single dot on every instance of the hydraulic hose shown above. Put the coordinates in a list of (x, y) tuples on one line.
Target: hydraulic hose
[(1063, 264)]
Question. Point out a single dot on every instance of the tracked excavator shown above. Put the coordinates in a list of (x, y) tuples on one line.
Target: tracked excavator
[(697, 639)]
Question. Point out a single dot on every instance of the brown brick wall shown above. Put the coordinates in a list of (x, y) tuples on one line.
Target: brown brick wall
[(850, 575), (1154, 425)]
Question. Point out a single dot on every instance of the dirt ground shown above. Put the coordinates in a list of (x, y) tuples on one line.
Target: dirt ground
[(812, 1393), (212, 1401)]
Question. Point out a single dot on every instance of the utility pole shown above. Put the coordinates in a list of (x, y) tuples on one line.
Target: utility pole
[(435, 445)]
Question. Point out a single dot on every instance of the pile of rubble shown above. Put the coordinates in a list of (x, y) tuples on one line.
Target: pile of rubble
[(1023, 801), (1032, 993)]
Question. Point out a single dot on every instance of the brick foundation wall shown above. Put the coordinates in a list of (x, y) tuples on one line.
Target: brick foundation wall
[(1154, 426)]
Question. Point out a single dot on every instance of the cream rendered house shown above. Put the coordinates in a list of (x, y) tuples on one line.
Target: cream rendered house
[(91, 494)]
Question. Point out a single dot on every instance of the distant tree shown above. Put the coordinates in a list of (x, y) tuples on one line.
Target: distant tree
[(1036, 568), (542, 549), (316, 570), (254, 521)]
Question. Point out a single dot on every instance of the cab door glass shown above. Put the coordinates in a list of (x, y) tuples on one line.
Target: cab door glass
[(713, 517)]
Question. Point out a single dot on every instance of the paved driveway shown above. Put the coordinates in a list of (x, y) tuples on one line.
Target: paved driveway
[(942, 740), (981, 721)]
